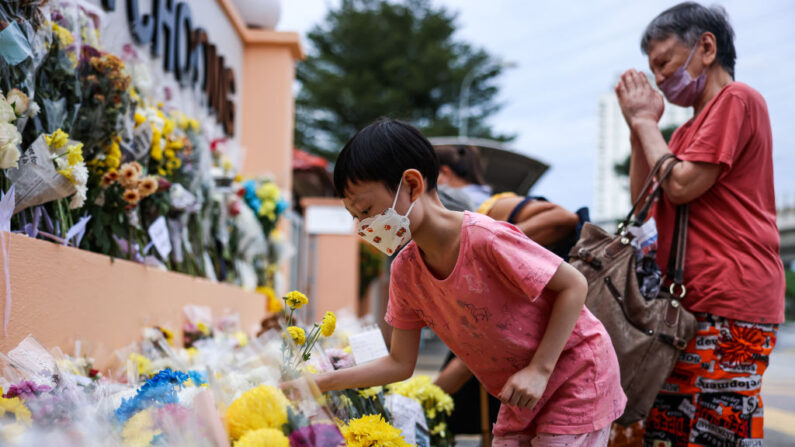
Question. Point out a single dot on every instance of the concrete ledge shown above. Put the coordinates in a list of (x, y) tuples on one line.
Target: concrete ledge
[(62, 294)]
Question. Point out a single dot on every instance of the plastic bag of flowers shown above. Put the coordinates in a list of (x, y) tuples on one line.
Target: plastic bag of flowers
[(52, 168), (58, 88), (437, 406), (25, 36), (44, 405), (170, 408), (298, 418)]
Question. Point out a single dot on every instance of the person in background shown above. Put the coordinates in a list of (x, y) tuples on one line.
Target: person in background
[(734, 277), (544, 222)]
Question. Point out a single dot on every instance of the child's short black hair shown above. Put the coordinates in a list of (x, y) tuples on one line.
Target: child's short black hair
[(382, 152)]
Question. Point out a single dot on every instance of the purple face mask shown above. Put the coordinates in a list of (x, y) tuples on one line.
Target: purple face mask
[(680, 88)]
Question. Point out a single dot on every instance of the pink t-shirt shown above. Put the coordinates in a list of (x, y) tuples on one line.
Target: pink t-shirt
[(492, 312)]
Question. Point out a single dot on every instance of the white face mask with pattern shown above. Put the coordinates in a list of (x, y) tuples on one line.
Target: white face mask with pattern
[(389, 230)]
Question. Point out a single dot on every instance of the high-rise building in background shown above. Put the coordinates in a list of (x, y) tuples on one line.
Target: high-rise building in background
[(611, 200)]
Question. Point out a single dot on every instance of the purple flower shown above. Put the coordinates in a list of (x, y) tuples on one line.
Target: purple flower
[(318, 435), (87, 52), (25, 389)]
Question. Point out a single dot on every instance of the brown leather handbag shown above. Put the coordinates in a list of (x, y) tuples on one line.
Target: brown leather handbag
[(648, 335)]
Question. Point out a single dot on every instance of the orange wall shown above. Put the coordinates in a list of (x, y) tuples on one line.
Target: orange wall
[(62, 294), (268, 109)]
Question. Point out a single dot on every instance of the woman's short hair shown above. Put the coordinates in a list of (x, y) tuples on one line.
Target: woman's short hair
[(688, 21)]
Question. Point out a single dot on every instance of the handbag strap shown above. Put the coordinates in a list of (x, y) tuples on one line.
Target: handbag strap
[(644, 211), (676, 258), (647, 196)]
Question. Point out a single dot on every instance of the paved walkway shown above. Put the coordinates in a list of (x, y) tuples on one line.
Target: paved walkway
[(778, 388)]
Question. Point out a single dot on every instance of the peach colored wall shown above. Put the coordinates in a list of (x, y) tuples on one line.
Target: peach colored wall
[(267, 107), (60, 294), (336, 267)]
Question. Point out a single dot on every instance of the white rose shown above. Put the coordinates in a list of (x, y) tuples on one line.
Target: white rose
[(9, 155), (19, 100), (6, 111), (9, 135)]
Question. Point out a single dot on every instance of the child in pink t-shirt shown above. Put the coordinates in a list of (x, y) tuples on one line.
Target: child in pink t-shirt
[(507, 307)]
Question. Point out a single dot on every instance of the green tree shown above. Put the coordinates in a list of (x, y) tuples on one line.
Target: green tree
[(622, 169), (372, 58)]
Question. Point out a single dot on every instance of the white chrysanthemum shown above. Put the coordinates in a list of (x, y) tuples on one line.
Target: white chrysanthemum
[(153, 117), (80, 174), (79, 198), (61, 164)]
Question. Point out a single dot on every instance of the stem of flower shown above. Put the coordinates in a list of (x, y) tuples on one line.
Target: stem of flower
[(311, 340), (61, 217)]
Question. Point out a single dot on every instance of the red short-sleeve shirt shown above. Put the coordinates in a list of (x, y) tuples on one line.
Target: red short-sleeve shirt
[(732, 263)]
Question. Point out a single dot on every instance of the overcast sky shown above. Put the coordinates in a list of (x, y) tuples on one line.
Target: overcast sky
[(568, 53)]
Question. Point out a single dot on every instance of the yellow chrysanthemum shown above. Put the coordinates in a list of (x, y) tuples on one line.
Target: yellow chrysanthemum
[(64, 36), (241, 338), (174, 163), (67, 173), (268, 191), (439, 428), (139, 119), (168, 334), (296, 299), (175, 145), (371, 392), (74, 154), (168, 126), (156, 151), (431, 397), (193, 124), (140, 430), (272, 303), (262, 407), (372, 430), (142, 364), (203, 328), (297, 334), (264, 437), (13, 406), (57, 139), (112, 162), (329, 324)]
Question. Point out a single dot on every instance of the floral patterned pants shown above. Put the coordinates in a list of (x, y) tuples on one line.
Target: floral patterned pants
[(712, 396)]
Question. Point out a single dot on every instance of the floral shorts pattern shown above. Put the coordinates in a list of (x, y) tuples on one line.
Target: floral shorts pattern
[(712, 396)]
